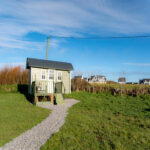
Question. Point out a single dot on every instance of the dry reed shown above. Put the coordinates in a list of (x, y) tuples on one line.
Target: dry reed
[(13, 75), (79, 84)]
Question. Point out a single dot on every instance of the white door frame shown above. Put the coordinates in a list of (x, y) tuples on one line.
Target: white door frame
[(51, 82)]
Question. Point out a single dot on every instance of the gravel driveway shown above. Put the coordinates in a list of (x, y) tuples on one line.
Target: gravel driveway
[(34, 138)]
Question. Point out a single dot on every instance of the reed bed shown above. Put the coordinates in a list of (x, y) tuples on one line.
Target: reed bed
[(13, 75)]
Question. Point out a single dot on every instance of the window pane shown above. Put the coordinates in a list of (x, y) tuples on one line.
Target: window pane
[(51, 75), (59, 75), (43, 74)]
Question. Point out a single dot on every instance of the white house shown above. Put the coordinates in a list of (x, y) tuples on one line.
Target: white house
[(122, 80), (97, 79), (145, 81)]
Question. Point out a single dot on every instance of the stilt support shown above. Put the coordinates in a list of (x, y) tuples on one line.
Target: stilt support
[(36, 99), (52, 97)]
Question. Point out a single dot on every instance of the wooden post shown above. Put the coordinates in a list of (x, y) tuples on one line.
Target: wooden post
[(36, 99), (47, 47), (52, 97)]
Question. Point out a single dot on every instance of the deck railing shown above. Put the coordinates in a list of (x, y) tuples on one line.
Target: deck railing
[(43, 87), (47, 87)]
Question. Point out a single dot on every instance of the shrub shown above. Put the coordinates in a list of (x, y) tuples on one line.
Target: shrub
[(79, 84)]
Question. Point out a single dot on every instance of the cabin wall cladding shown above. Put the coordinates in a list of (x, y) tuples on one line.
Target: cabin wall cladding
[(66, 80), (36, 74)]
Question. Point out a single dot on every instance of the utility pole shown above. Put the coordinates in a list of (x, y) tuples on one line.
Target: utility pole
[(47, 47)]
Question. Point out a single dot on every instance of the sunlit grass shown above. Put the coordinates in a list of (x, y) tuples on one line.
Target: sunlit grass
[(17, 115), (104, 122)]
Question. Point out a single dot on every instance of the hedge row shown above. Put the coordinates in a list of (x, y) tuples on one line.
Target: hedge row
[(115, 89)]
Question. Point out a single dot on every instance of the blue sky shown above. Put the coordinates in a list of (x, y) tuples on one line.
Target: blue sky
[(25, 25)]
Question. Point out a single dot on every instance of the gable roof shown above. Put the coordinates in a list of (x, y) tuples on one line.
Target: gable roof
[(122, 79), (41, 63), (147, 79)]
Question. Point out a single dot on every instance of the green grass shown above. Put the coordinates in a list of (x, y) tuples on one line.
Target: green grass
[(17, 115), (9, 88), (104, 122)]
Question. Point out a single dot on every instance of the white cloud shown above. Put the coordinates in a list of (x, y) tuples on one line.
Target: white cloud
[(138, 64), (10, 43), (69, 18)]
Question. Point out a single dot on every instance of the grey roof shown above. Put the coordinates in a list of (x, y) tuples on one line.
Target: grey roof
[(122, 79), (40, 63), (145, 79)]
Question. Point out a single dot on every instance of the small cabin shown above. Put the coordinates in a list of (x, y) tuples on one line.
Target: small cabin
[(47, 78)]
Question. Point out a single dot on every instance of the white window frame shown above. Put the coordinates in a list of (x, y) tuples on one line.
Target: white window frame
[(49, 75), (57, 75), (42, 74)]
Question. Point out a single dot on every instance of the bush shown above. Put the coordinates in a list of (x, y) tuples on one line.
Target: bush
[(79, 84)]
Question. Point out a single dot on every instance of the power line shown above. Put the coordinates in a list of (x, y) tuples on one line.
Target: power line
[(104, 37)]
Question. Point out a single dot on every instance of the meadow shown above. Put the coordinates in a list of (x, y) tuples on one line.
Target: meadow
[(108, 117), (17, 114), (104, 122)]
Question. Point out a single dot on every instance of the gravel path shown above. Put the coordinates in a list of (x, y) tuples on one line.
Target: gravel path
[(34, 138)]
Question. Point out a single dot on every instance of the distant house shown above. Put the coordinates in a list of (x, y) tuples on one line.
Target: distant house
[(122, 80), (97, 79), (144, 81)]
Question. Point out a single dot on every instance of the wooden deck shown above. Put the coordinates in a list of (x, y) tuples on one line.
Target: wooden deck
[(46, 89)]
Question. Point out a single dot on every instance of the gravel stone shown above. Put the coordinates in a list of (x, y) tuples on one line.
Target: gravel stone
[(34, 138)]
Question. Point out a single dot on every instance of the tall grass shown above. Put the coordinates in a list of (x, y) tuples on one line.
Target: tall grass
[(114, 89), (13, 75)]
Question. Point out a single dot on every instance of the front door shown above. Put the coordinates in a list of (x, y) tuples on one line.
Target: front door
[(50, 86), (51, 81)]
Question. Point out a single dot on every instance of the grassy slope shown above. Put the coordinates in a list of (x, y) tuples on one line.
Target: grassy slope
[(17, 115), (8, 88), (104, 122)]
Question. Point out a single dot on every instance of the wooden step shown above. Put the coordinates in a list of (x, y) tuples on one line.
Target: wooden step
[(59, 98)]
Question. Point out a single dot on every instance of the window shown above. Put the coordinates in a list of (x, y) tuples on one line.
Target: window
[(59, 76), (43, 74), (51, 74)]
